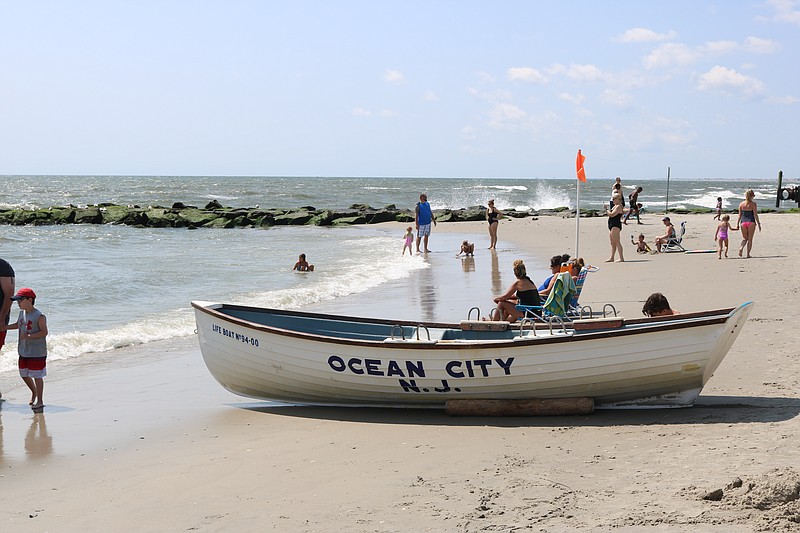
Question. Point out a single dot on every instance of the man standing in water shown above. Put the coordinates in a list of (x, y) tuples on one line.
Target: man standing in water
[(423, 216), (7, 289)]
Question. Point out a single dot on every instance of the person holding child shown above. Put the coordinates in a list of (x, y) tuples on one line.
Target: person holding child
[(721, 235), (32, 344), (634, 205)]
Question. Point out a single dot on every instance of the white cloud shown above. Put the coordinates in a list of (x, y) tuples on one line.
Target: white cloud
[(489, 96), (644, 35), (615, 98), (725, 79), (430, 96), (507, 116), (576, 99), (670, 54), (718, 47), (366, 113), (525, 74), (469, 133), (761, 46), (784, 12), (783, 100), (677, 54), (393, 76), (585, 73)]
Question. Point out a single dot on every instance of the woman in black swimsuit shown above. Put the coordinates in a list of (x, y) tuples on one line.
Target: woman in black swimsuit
[(615, 228), (522, 291), (492, 215)]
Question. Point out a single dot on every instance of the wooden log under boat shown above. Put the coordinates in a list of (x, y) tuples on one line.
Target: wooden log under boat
[(530, 407)]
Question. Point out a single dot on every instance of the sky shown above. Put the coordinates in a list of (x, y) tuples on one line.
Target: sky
[(400, 88)]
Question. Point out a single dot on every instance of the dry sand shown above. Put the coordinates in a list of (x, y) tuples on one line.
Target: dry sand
[(159, 446)]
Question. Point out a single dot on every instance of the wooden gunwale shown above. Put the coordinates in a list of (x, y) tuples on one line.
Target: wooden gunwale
[(704, 318)]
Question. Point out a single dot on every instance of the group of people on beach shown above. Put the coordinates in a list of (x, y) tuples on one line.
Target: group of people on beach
[(424, 218), (32, 340), (523, 291), (748, 221)]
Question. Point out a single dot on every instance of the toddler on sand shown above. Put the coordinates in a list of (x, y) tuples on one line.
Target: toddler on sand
[(467, 248), (409, 239), (641, 246), (721, 236)]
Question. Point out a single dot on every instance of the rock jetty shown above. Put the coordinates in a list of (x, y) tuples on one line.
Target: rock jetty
[(214, 215)]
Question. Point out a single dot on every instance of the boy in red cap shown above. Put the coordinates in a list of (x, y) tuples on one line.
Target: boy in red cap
[(32, 344)]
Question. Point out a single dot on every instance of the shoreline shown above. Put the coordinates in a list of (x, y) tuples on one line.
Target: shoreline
[(168, 448)]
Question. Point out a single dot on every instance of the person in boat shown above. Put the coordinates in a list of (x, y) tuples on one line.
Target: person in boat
[(669, 234), (467, 248), (555, 267), (522, 291), (575, 267), (657, 305), (302, 265)]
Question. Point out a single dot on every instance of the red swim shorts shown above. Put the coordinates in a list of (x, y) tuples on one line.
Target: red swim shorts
[(33, 367), (2, 338)]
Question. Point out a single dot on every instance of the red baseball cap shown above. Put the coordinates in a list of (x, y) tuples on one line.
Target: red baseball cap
[(25, 292)]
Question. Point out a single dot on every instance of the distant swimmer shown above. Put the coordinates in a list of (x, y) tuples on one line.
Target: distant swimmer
[(302, 265)]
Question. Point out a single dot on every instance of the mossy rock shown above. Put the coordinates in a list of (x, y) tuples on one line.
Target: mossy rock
[(348, 221), (297, 218)]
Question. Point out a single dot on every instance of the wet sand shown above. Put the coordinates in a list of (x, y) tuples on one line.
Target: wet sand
[(160, 446)]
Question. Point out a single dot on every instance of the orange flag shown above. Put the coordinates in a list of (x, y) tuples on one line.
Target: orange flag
[(579, 167)]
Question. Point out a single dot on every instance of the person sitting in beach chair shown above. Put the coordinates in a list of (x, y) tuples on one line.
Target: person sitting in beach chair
[(557, 303), (668, 234), (673, 244)]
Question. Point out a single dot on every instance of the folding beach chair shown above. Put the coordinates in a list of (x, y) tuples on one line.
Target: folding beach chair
[(574, 306), (557, 303), (673, 244)]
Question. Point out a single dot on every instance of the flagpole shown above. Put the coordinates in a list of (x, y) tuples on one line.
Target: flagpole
[(581, 175), (578, 220)]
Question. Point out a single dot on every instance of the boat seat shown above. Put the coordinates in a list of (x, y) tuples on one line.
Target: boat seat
[(484, 325), (589, 324)]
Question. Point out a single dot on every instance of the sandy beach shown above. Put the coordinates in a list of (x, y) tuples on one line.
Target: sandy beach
[(160, 446)]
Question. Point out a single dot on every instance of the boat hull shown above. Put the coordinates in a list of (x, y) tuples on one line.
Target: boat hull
[(256, 353)]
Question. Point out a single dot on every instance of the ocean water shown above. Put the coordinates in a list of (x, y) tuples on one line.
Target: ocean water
[(104, 287)]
